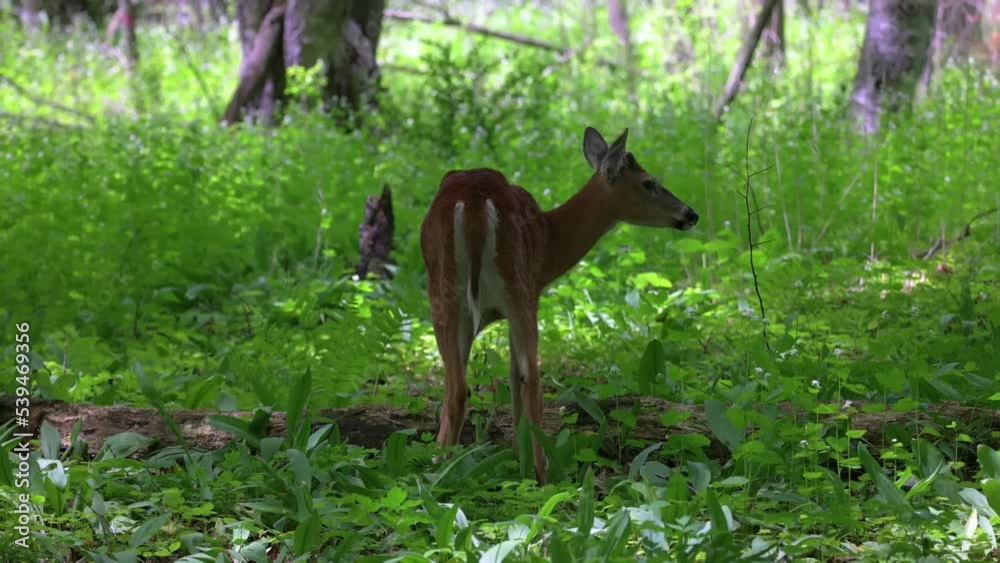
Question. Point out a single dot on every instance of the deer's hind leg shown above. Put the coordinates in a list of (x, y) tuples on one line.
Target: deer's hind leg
[(454, 334)]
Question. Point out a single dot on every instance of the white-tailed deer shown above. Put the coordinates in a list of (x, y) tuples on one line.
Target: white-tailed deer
[(490, 251)]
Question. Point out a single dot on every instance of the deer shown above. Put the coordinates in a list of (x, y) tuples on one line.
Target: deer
[(490, 251)]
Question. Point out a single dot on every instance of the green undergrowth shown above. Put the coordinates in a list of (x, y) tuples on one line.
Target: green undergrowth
[(164, 262)]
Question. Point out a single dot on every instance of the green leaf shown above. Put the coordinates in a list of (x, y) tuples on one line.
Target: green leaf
[(978, 501), (123, 445), (651, 279), (499, 552), (721, 426), (395, 498), (989, 461), (445, 527), (50, 442), (652, 366), (297, 399), (616, 534), (720, 524), (700, 475), (885, 487), (490, 464), (142, 534), (585, 506), (301, 469), (677, 488), (270, 446), (238, 427), (640, 460), (395, 453), (551, 503), (991, 490), (557, 550), (307, 535)]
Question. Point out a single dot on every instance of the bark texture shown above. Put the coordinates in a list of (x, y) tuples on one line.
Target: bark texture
[(958, 30), (774, 35), (893, 56), (376, 235), (342, 36)]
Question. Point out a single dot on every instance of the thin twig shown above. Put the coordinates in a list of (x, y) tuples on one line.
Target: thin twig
[(39, 120), (213, 102), (941, 243), (38, 101), (753, 269), (565, 52)]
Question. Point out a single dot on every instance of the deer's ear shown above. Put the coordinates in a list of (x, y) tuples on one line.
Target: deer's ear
[(614, 158), (594, 147)]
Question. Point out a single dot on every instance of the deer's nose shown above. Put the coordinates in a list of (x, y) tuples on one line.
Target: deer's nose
[(691, 217)]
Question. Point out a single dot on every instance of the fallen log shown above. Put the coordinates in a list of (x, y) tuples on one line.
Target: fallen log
[(371, 425)]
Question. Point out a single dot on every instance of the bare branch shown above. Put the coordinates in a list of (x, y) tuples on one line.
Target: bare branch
[(753, 269), (942, 244), (206, 92), (449, 21), (38, 101), (745, 57), (38, 120)]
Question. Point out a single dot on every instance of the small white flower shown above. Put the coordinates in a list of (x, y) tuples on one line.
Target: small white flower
[(689, 311), (838, 352), (728, 224), (758, 369), (815, 383), (894, 440), (803, 442), (793, 352), (767, 375), (798, 283), (847, 404)]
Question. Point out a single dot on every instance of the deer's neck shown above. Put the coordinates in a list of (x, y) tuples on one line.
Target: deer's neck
[(575, 227)]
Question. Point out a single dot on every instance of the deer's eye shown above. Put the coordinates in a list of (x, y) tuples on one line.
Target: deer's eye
[(649, 185)]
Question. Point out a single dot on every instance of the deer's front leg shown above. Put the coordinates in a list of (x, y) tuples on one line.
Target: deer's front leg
[(516, 374)]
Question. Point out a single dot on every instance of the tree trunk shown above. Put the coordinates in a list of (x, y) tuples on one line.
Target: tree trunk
[(30, 14), (893, 56), (128, 34), (958, 30), (342, 35), (618, 17), (774, 35)]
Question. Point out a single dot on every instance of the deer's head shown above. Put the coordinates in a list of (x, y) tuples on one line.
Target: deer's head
[(637, 197)]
